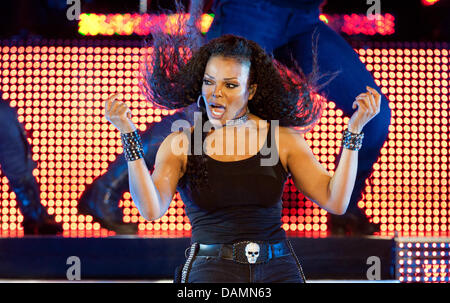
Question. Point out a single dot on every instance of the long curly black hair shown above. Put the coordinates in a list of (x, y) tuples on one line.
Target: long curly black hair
[(173, 74)]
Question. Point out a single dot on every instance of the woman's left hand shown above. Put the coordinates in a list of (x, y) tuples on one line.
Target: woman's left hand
[(368, 105)]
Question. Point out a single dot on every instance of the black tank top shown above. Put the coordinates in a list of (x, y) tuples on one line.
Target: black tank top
[(243, 202)]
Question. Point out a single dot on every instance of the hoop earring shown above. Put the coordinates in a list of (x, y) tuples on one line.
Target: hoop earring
[(198, 100)]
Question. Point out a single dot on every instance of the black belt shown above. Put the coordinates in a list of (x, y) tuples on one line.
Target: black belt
[(247, 252)]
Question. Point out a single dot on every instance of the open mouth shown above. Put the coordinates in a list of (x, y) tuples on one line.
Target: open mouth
[(217, 110)]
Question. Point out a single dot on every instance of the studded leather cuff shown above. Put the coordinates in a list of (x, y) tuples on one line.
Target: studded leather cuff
[(352, 141), (132, 146)]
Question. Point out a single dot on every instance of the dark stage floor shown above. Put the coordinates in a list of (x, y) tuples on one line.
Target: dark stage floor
[(155, 258)]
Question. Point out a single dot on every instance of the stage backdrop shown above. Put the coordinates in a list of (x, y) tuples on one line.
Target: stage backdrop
[(58, 88)]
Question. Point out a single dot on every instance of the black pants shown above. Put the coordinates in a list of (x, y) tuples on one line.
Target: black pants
[(206, 269)]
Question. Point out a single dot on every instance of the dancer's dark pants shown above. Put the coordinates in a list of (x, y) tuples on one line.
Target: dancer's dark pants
[(15, 152)]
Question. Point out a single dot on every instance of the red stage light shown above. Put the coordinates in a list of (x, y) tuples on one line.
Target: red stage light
[(429, 2), (60, 102)]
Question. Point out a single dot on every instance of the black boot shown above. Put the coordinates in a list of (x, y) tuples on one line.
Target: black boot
[(36, 220), (336, 225), (351, 224), (101, 199), (364, 227)]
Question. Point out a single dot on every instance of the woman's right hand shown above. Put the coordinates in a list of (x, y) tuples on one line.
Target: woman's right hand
[(119, 115)]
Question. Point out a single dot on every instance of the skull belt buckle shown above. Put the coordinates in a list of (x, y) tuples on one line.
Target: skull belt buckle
[(252, 252), (249, 252)]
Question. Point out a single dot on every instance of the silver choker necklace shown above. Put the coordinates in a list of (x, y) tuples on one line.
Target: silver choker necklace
[(238, 121)]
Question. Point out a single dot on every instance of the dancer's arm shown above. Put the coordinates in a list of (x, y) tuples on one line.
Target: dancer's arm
[(331, 192), (151, 194)]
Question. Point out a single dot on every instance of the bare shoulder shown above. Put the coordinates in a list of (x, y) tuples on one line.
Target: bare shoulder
[(290, 142), (288, 131), (177, 135), (174, 147), (290, 138)]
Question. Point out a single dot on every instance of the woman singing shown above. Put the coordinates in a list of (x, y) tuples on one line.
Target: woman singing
[(251, 108)]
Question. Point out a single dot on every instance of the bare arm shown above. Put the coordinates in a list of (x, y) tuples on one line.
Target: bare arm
[(151, 194), (340, 186), (308, 175), (331, 192), (143, 191)]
